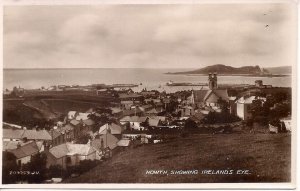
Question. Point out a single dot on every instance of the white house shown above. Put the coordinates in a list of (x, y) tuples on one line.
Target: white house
[(243, 106), (287, 123), (134, 121), (69, 154)]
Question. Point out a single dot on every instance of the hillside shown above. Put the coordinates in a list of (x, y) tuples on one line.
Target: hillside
[(222, 69), (266, 156), (280, 70)]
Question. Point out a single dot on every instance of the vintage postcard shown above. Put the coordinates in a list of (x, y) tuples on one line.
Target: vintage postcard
[(149, 95)]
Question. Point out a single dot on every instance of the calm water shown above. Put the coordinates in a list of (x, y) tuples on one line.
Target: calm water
[(150, 78)]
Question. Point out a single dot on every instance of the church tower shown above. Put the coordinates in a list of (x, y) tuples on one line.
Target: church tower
[(212, 81)]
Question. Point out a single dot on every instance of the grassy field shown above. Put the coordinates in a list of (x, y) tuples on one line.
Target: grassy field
[(266, 156)]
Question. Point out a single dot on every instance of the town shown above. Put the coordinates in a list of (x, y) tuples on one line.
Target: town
[(56, 133)]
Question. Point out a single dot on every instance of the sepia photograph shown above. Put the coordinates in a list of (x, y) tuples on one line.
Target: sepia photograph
[(148, 93)]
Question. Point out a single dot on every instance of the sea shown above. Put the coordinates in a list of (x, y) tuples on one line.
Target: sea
[(151, 79)]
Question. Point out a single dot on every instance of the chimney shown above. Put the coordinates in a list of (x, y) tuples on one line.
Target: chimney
[(19, 145)]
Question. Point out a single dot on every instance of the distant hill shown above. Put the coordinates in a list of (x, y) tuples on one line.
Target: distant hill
[(223, 69), (280, 70)]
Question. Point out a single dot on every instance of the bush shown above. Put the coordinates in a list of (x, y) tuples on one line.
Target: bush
[(55, 171)]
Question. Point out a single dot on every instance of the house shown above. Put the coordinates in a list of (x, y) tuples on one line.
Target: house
[(126, 104), (20, 134), (243, 106), (154, 122), (57, 137), (152, 112), (72, 115), (116, 112), (211, 97), (133, 112), (69, 154), (104, 141), (37, 135), (13, 134), (146, 108), (187, 111), (105, 145), (134, 121), (87, 125), (111, 128), (287, 123), (23, 153)]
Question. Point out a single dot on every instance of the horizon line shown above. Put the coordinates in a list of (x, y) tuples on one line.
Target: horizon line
[(136, 67)]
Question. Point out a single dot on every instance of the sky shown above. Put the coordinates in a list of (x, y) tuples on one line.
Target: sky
[(149, 36)]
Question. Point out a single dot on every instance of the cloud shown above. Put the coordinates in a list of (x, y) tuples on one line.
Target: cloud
[(154, 36)]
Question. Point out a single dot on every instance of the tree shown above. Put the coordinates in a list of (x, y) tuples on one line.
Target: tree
[(83, 139), (37, 167), (223, 105), (9, 166), (190, 124), (56, 171)]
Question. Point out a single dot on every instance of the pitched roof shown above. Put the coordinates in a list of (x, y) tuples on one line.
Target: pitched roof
[(25, 150), (211, 96), (133, 119), (59, 150), (153, 122), (74, 122), (54, 133), (115, 110), (10, 145), (13, 133), (37, 134), (109, 140), (71, 149), (222, 93), (123, 143), (132, 111), (152, 111), (89, 122), (80, 149), (199, 95), (162, 118), (114, 129), (146, 107)]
